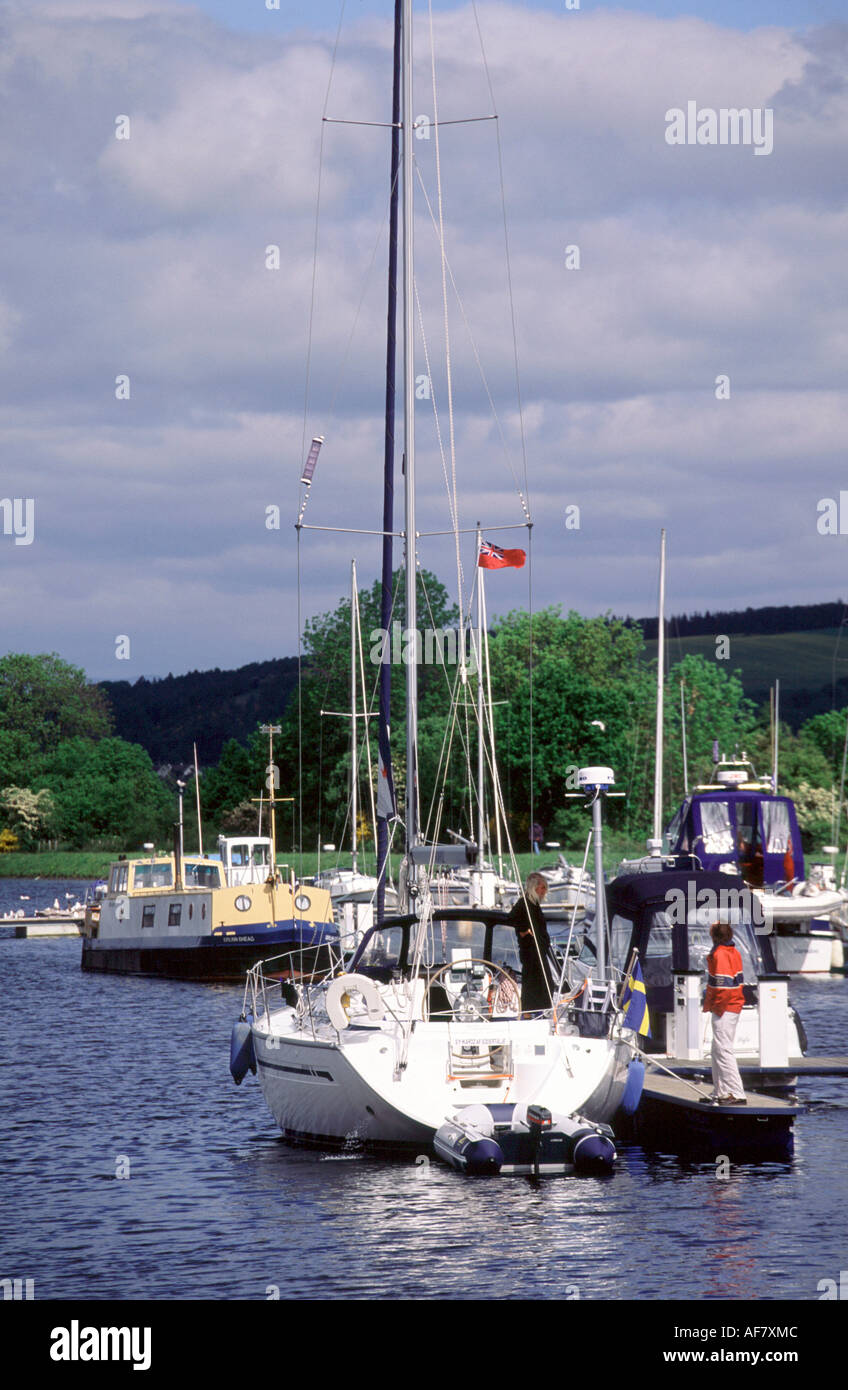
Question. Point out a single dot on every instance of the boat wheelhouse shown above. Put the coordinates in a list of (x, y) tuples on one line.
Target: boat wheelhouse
[(665, 915), (193, 917), (737, 824)]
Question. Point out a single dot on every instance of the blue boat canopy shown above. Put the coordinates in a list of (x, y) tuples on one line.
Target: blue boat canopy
[(753, 833)]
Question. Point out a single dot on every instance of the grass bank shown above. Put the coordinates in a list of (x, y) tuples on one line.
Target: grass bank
[(95, 863)]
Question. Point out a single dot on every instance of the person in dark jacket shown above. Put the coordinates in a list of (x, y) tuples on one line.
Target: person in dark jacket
[(534, 945)]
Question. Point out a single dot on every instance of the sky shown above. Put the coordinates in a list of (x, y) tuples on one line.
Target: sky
[(679, 312)]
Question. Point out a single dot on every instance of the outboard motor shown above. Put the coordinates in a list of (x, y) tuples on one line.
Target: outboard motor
[(538, 1121)]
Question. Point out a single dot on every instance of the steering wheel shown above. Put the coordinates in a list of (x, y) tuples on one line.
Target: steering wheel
[(505, 983)]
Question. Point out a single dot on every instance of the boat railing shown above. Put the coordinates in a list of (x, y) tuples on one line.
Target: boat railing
[(266, 982)]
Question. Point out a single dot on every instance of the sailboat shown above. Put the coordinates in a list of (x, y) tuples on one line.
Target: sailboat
[(425, 1021)]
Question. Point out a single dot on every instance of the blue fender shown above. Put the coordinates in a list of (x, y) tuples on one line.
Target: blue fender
[(242, 1055), (633, 1089)]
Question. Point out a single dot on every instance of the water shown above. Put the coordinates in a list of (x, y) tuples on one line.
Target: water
[(109, 1075)]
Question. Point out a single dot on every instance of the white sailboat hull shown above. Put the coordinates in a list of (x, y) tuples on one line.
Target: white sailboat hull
[(351, 1091)]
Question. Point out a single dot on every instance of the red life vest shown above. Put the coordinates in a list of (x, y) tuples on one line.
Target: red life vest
[(724, 981)]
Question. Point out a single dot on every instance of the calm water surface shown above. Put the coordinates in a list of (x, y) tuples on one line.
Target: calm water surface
[(103, 1075)]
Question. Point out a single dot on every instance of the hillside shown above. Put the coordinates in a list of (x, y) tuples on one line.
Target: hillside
[(809, 659), (207, 707), (806, 663)]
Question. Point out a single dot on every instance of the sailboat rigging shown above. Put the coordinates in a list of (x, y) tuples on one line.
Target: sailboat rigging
[(422, 1024)]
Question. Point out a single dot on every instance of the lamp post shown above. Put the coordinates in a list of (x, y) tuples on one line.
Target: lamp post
[(180, 789)]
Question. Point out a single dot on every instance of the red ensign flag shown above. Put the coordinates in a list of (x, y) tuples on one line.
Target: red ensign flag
[(491, 557)]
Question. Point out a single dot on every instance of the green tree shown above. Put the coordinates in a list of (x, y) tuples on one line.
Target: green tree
[(45, 700), (20, 758), (107, 794), (716, 708), (591, 703)]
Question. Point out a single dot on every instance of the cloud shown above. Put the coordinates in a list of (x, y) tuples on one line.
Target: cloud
[(148, 257)]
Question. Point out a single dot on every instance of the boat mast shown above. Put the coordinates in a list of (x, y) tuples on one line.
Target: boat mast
[(386, 804), (481, 609), (409, 440), (776, 733), (353, 779), (655, 843)]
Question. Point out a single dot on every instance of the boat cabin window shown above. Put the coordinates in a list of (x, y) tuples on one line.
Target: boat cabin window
[(701, 943), (242, 856), (119, 876), (202, 875), (148, 914), (621, 930), (152, 875), (776, 830), (716, 830), (383, 948), (675, 826), (656, 962)]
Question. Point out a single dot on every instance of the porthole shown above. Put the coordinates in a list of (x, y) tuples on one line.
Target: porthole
[(302, 902), (243, 902)]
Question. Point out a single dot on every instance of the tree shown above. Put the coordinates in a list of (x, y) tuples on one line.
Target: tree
[(30, 813), (107, 793), (716, 709), (45, 700), (591, 703)]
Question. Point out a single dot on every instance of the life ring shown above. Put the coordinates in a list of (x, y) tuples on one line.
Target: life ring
[(341, 986)]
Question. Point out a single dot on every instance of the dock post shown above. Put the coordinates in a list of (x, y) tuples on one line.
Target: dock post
[(687, 1015), (774, 1021)]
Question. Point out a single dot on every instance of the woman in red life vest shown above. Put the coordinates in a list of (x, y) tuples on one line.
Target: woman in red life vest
[(724, 999)]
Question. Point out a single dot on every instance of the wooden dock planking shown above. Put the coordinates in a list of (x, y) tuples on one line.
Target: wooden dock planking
[(796, 1066), (677, 1092)]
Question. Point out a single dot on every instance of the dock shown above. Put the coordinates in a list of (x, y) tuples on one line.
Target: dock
[(45, 926), (672, 1118), (796, 1066)]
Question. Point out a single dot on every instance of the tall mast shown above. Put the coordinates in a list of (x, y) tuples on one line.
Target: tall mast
[(409, 440), (386, 802), (353, 745), (481, 820), (655, 845)]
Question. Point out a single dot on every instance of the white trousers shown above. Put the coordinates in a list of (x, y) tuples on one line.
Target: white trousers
[(726, 1078)]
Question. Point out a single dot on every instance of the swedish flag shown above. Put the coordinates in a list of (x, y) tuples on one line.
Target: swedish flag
[(635, 1004)]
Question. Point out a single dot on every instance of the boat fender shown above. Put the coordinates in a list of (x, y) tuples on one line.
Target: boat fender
[(592, 1152), (633, 1087), (242, 1055), (337, 1004)]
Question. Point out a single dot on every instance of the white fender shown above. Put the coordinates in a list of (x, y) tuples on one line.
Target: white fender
[(344, 984)]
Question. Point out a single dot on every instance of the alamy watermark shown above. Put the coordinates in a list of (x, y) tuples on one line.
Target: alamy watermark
[(728, 125), (18, 518), (682, 906), (434, 646)]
